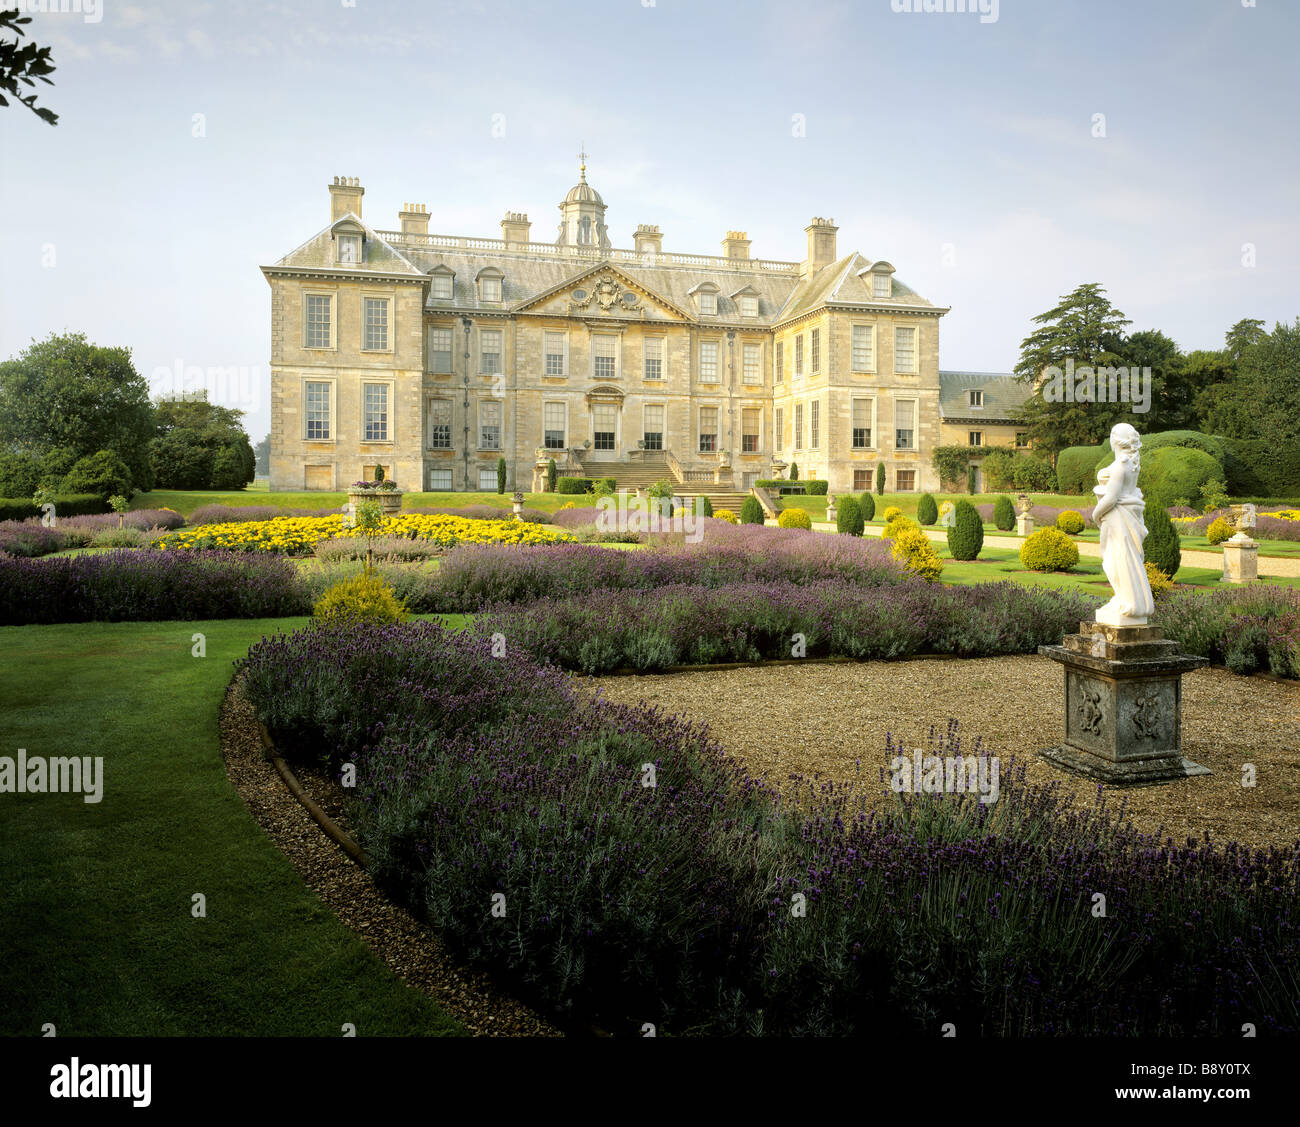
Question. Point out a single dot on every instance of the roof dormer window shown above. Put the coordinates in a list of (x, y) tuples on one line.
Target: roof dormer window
[(442, 280), (976, 398), (746, 299), (706, 298), (879, 275), (489, 284), (349, 250)]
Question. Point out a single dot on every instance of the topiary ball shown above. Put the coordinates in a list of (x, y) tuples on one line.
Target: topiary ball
[(1048, 549), (1219, 531), (966, 536), (913, 547), (890, 513), (896, 526), (1070, 521), (927, 512), (727, 515), (794, 518), (1004, 513)]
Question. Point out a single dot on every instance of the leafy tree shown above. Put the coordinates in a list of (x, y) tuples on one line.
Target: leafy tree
[(1004, 513), (970, 480), (188, 425), (1246, 333), (64, 392), (867, 504), (1170, 405), (23, 63), (1260, 407), (751, 512), (501, 476), (880, 479), (794, 471), (262, 457), (927, 512), (1083, 327), (103, 473), (20, 474), (182, 460), (552, 474)]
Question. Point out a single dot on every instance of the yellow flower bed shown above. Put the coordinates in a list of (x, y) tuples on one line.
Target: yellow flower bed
[(301, 534), (1284, 514)]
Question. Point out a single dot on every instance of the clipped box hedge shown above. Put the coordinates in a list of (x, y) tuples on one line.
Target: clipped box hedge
[(574, 485), (69, 505)]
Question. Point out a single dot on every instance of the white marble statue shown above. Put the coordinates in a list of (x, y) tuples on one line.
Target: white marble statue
[(1118, 514)]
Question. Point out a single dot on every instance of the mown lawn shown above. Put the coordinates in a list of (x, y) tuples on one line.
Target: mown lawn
[(996, 564), (96, 898)]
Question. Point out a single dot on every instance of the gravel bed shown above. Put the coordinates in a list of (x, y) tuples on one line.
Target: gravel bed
[(831, 719), (409, 948)]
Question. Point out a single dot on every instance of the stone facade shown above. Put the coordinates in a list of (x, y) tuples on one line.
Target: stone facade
[(435, 355)]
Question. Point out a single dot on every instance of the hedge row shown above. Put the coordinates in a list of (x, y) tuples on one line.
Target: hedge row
[(69, 505)]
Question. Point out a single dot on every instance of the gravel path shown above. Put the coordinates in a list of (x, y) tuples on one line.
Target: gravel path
[(410, 949), (824, 718)]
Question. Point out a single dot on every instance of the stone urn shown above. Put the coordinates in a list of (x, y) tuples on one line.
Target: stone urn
[(831, 514), (1024, 515), (388, 500), (517, 504)]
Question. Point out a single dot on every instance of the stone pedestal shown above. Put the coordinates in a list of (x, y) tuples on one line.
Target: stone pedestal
[(832, 513), (1024, 525), (1240, 559), (1123, 705)]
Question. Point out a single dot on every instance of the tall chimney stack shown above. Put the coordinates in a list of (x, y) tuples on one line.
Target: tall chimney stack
[(735, 245), (649, 239), (515, 227), (345, 196), (821, 244), (414, 218)]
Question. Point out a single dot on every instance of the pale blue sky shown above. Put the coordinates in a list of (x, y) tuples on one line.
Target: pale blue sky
[(923, 130)]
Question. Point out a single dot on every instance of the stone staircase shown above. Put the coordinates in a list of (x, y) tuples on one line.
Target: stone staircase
[(643, 474)]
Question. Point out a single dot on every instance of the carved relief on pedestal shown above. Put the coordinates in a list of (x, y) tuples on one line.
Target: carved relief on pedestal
[(1147, 714), (1088, 708)]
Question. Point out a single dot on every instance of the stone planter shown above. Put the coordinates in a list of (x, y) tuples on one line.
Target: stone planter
[(388, 500)]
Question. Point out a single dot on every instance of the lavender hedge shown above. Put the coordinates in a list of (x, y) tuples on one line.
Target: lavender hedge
[(235, 514), (473, 576), (30, 538), (139, 585), (1247, 629), (680, 624), (480, 775)]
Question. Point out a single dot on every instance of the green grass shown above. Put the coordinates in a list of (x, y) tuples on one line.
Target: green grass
[(186, 501), (996, 564), (96, 898)]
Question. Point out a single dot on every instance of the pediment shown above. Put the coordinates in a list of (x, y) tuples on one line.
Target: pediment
[(604, 291)]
